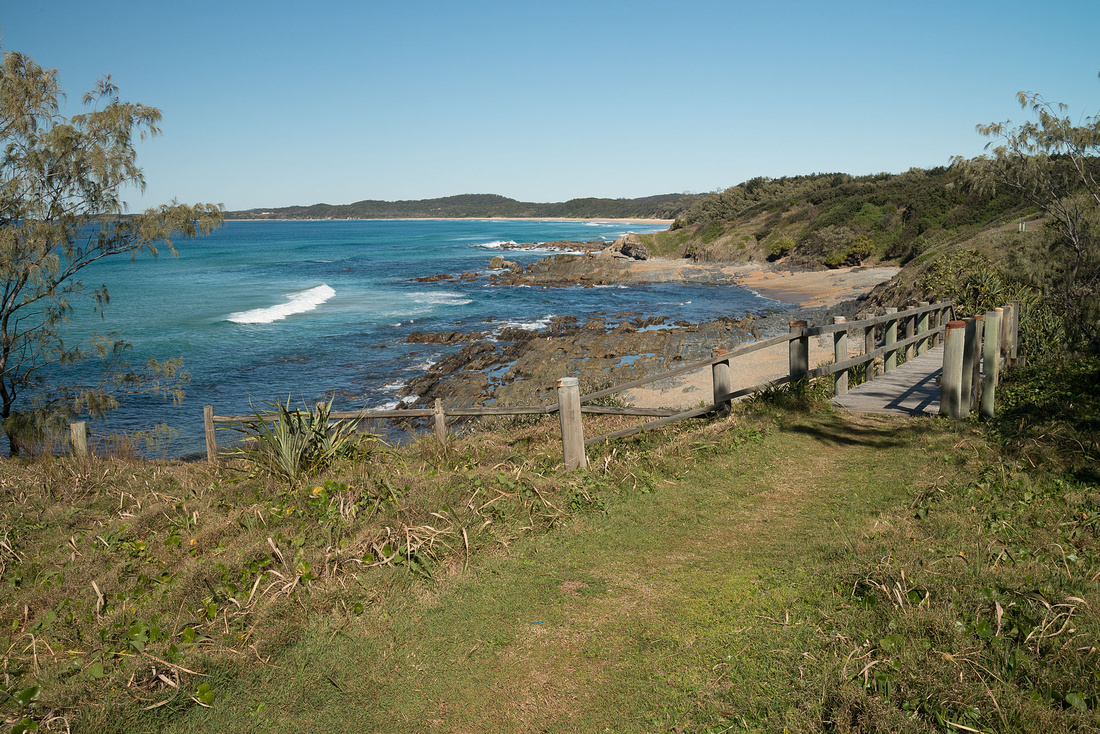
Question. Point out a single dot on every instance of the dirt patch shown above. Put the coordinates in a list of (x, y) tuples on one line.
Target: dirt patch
[(570, 588)]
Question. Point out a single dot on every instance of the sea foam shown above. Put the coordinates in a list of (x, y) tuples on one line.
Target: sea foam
[(495, 245), (443, 298), (296, 303)]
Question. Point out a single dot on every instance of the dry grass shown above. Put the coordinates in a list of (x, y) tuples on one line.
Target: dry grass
[(784, 568)]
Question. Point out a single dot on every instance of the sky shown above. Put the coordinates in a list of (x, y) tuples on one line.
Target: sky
[(275, 103)]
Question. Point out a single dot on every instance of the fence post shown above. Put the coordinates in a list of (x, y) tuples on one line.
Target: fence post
[(439, 419), (954, 344), (840, 354), (922, 326), (1014, 350), (910, 331), (1006, 325), (572, 430), (966, 381), (890, 359), (868, 347), (975, 347), (78, 435), (799, 350), (991, 358), (211, 439), (720, 380)]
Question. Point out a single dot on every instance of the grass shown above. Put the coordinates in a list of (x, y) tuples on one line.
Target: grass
[(787, 568)]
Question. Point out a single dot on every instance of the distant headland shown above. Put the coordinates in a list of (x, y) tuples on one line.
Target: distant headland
[(663, 207)]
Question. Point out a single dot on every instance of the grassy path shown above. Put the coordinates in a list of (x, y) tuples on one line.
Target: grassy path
[(692, 607)]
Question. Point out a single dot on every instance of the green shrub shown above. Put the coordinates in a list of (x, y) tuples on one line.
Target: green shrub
[(293, 444), (975, 286), (855, 253), (780, 247), (712, 232)]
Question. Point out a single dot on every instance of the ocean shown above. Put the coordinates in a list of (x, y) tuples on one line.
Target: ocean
[(261, 311)]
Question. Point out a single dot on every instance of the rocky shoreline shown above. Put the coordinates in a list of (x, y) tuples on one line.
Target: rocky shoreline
[(520, 367)]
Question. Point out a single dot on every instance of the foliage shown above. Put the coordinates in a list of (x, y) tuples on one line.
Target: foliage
[(976, 285), (900, 215), (294, 444), (858, 250), (60, 211), (1050, 417), (1054, 165), (798, 396), (780, 248)]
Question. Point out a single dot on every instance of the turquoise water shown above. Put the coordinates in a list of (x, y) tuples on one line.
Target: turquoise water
[(263, 310)]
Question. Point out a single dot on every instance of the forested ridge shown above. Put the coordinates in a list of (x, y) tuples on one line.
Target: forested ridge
[(662, 206)]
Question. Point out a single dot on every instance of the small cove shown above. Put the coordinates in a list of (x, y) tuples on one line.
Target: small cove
[(260, 311)]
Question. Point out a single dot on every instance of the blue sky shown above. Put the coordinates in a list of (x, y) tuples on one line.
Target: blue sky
[(275, 103)]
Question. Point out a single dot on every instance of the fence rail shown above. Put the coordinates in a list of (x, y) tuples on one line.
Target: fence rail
[(922, 326)]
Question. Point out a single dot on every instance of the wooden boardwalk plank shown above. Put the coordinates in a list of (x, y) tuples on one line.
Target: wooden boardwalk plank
[(910, 389)]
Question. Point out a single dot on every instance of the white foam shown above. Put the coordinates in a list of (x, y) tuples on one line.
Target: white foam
[(549, 251), (495, 245), (296, 303), (442, 298), (527, 326), (537, 325), (397, 404)]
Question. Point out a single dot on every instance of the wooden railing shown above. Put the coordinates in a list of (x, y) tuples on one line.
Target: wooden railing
[(921, 327), (974, 351), (438, 414)]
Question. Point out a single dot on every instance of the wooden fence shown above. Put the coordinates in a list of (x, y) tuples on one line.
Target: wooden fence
[(920, 328), (974, 351)]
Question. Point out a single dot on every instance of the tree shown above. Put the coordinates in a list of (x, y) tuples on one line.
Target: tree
[(60, 211), (1054, 164)]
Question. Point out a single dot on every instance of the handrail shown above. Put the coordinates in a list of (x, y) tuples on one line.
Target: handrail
[(664, 416)]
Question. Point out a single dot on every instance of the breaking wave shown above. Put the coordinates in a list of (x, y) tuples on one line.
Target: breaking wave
[(296, 303)]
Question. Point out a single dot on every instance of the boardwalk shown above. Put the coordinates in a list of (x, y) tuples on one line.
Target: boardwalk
[(911, 389)]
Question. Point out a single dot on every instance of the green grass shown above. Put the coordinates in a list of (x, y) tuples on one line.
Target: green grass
[(666, 243), (788, 568)]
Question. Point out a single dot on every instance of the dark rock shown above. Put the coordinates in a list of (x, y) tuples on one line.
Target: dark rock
[(636, 251), (443, 337), (434, 278), (512, 334), (499, 263)]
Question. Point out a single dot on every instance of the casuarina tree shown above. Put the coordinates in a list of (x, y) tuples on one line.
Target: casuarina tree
[(1054, 163), (61, 182)]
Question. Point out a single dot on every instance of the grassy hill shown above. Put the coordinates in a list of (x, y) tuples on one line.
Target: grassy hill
[(664, 206), (836, 219)]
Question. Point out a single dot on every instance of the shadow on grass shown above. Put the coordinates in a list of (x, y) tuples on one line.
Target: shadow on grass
[(1053, 410), (836, 431)]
